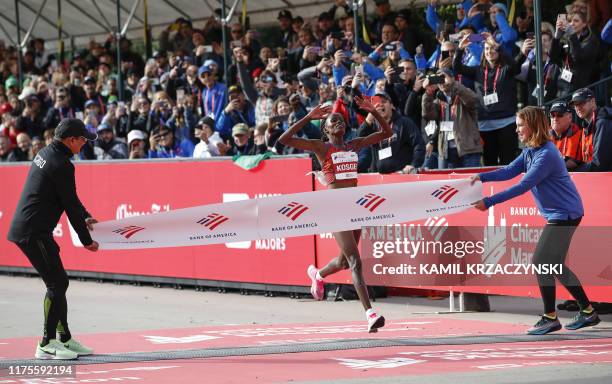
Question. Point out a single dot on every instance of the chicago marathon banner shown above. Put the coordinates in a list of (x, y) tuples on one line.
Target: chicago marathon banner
[(298, 214)]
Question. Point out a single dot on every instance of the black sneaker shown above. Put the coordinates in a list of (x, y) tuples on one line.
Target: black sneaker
[(544, 326), (582, 320)]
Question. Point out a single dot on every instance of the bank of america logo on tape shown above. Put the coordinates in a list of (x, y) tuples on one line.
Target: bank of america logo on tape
[(213, 220), (293, 210), (370, 201), (445, 193), (129, 231)]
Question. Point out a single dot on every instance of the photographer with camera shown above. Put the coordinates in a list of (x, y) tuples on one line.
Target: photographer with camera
[(177, 36), (183, 122), (238, 110), (263, 99), (61, 109), (405, 87), (500, 29), (162, 144), (454, 108), (308, 53), (575, 47), (389, 46), (551, 71), (365, 74), (140, 116), (495, 86), (209, 138)]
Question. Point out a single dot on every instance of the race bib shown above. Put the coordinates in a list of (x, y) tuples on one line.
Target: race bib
[(345, 165), (491, 99), (446, 126), (567, 75), (384, 153), (450, 136)]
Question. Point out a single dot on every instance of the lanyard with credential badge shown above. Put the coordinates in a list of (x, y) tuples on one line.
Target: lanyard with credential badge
[(486, 82)]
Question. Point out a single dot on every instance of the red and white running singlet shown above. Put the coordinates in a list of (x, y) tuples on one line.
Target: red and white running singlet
[(339, 164)]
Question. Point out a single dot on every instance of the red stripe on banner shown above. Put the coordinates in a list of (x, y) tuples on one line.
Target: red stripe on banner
[(371, 201), (223, 220), (382, 200), (446, 193), (212, 222), (451, 195), (132, 233), (294, 209), (299, 213)]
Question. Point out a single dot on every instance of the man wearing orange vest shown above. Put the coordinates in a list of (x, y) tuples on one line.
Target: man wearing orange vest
[(566, 134), (596, 132)]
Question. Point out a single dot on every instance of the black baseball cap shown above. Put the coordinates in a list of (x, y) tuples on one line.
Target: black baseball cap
[(89, 79), (560, 107), (158, 54), (206, 120), (325, 16), (73, 128), (582, 95), (284, 14)]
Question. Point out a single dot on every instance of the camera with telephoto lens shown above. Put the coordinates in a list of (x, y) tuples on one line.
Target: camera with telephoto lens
[(436, 79)]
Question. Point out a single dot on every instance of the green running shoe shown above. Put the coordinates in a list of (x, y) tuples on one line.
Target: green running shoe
[(55, 350), (77, 347)]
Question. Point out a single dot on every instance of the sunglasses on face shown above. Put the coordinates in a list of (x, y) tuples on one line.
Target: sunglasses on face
[(557, 115), (164, 134)]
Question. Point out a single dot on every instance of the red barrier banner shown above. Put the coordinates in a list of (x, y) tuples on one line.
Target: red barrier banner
[(119, 189), (521, 211)]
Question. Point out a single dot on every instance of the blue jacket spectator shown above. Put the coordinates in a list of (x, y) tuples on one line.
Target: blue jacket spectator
[(238, 110), (212, 97), (163, 145), (433, 20)]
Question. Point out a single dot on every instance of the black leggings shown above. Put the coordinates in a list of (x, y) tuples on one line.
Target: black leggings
[(44, 255), (552, 249), (500, 145)]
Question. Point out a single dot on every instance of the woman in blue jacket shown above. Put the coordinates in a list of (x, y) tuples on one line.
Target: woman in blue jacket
[(558, 200)]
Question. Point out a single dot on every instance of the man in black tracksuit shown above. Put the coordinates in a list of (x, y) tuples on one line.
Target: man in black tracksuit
[(50, 190)]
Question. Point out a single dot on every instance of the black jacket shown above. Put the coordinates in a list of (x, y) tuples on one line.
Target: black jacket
[(602, 142), (407, 145), (581, 57), (49, 190), (505, 86)]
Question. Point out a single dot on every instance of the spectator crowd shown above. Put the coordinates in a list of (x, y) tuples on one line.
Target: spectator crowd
[(450, 77)]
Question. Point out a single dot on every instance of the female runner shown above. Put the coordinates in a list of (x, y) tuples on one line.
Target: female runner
[(339, 167)]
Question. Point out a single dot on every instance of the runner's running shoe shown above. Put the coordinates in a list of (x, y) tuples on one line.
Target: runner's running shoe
[(317, 288), (544, 326), (375, 321), (582, 320)]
